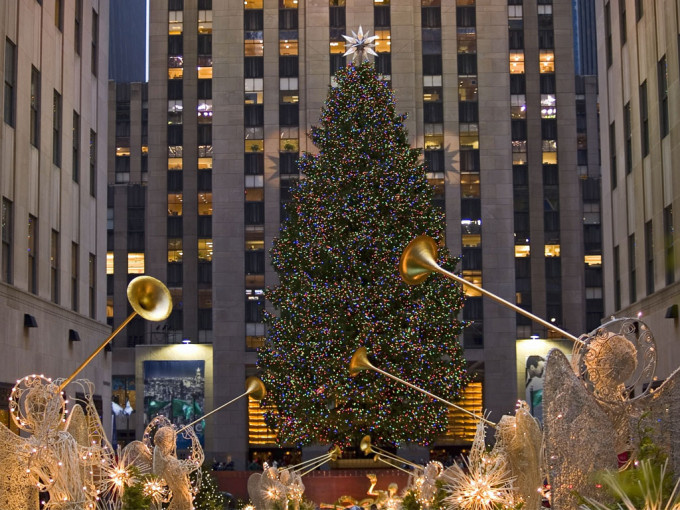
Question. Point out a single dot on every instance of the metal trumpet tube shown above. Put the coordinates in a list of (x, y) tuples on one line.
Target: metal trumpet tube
[(149, 299), (360, 362), (419, 259), (309, 465), (366, 447), (254, 387)]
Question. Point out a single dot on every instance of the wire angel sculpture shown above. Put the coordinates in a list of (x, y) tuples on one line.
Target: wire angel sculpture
[(157, 454), (61, 455), (422, 483), (600, 406), (276, 488)]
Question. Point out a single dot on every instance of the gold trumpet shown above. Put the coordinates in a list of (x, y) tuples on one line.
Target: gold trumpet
[(149, 299), (360, 362), (385, 457), (254, 387), (310, 465), (419, 259)]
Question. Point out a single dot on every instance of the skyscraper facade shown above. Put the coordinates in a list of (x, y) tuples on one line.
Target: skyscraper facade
[(53, 189), (491, 97), (638, 72)]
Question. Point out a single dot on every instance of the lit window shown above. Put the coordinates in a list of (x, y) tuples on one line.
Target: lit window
[(288, 4), (474, 277), (175, 73), (254, 44), (469, 136), (174, 163), (122, 151), (254, 145), (205, 19), (109, 306), (548, 108), (547, 61), (205, 163), (175, 22), (517, 62), (205, 73), (252, 4), (518, 106), (205, 204), (287, 98), (469, 185), (545, 9), (337, 47), (519, 152), (552, 250), (109, 262), (205, 250), (434, 136), (382, 43), (471, 240), (175, 204), (288, 47), (522, 250), (175, 250), (254, 194), (467, 88), (288, 83), (593, 260), (135, 263), (253, 85), (514, 12)]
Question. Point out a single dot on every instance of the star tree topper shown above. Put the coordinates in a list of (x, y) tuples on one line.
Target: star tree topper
[(360, 45)]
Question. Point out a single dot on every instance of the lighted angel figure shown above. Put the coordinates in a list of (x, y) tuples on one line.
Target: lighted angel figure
[(157, 455), (384, 499), (519, 439), (59, 455), (600, 406), (276, 488), (422, 482)]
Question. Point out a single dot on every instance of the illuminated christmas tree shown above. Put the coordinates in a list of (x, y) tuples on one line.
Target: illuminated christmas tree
[(364, 197)]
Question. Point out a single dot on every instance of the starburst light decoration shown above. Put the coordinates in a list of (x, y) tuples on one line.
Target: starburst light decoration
[(360, 45)]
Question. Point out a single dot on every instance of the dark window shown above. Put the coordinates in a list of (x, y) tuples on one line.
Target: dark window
[(668, 244), (617, 279), (254, 164), (622, 21), (253, 67), (383, 64), (56, 129), (77, 31), (7, 240), (174, 275), (432, 65), (204, 89), (174, 180), (254, 213), (465, 16), (644, 118), (74, 276), (546, 39), (288, 66), (592, 239), (612, 154), (95, 41), (288, 163), (205, 44), (255, 262), (628, 139), (632, 288), (649, 257), (253, 19), (204, 134), (467, 64), (591, 190), (175, 5), (54, 265), (289, 114), (468, 111), (516, 39), (433, 112), (204, 180), (519, 129), (35, 107), (336, 17), (608, 32), (434, 160), (288, 19), (432, 41), (175, 134), (205, 272), (59, 14), (254, 309), (10, 82), (76, 147), (32, 258), (175, 45), (472, 258), (93, 163), (549, 129), (431, 17), (381, 16), (175, 89), (518, 83), (471, 209), (204, 226), (663, 96), (338, 61), (547, 83), (469, 160), (638, 9), (205, 5), (175, 226), (253, 115)]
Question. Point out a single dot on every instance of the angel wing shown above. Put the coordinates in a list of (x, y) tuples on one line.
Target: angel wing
[(578, 433), (139, 455), (254, 490), (76, 424), (17, 491), (660, 418)]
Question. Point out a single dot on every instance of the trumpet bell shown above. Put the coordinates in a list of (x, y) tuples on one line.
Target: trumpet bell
[(150, 298), (255, 388), (418, 260), (359, 362), (335, 453), (365, 445)]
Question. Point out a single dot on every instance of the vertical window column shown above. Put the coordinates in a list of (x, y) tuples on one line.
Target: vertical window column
[(383, 44), (7, 241), (10, 82), (336, 29), (32, 256)]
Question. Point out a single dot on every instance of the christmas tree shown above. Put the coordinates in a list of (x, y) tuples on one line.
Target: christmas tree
[(365, 196)]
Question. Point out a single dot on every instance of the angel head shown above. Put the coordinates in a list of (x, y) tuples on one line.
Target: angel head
[(610, 360), (165, 440), (37, 406)]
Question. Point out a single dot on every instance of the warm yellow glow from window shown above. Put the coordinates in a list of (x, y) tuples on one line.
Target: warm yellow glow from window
[(109, 306), (205, 73), (290, 98), (469, 185), (252, 4), (552, 250), (461, 426), (471, 240), (337, 47), (547, 61), (135, 263), (469, 141), (175, 22), (258, 432), (205, 163), (254, 47), (474, 276), (517, 62), (522, 250), (205, 204), (145, 150), (289, 145), (175, 73), (382, 43), (550, 158), (205, 250), (593, 260), (109, 262), (175, 204), (288, 47), (122, 151), (205, 22), (254, 145), (254, 194), (434, 141), (174, 163)]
